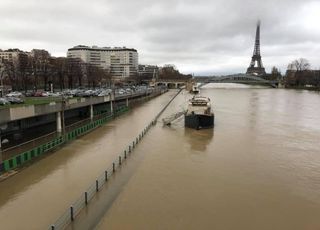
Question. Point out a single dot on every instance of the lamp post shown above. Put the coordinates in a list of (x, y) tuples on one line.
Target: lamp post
[(2, 127), (1, 80), (0, 145)]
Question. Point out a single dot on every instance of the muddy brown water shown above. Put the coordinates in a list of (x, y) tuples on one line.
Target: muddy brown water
[(259, 168)]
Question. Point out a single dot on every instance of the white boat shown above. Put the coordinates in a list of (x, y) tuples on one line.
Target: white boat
[(199, 114), (195, 89)]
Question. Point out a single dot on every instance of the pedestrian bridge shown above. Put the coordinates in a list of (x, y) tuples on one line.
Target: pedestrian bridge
[(238, 78)]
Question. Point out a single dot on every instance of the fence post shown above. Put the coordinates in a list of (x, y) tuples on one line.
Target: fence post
[(113, 167), (71, 213), (119, 160), (97, 185), (86, 197), (125, 154), (106, 175)]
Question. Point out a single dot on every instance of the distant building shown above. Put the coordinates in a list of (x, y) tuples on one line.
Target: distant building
[(122, 62), (13, 56), (40, 54), (148, 71)]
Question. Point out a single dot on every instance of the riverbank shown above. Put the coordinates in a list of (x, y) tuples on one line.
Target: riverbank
[(59, 178), (28, 153), (304, 88)]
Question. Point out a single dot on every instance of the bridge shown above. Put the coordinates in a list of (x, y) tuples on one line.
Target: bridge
[(238, 78), (234, 78), (170, 83)]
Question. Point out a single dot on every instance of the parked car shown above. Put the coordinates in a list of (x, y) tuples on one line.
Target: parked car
[(29, 94), (41, 94), (4, 101), (15, 100), (14, 94)]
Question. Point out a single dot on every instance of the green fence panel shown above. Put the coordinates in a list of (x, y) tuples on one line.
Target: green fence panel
[(39, 150), (19, 160), (6, 165), (14, 162), (44, 148), (25, 156)]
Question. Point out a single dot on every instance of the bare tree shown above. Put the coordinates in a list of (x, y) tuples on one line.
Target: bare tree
[(299, 65), (74, 72), (61, 68), (275, 73), (298, 72)]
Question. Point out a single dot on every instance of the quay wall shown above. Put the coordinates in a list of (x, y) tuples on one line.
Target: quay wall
[(21, 156)]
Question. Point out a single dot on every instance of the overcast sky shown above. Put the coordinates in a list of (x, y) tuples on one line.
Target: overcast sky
[(198, 36)]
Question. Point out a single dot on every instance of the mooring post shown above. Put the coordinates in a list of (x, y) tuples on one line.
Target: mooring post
[(133, 144), (52, 227), (119, 160), (86, 198), (113, 167), (71, 213), (125, 154), (106, 175), (97, 185), (129, 148)]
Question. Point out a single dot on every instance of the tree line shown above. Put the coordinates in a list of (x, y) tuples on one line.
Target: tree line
[(41, 71), (169, 71), (299, 74)]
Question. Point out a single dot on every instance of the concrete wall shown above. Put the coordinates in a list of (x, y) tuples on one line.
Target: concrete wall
[(25, 111)]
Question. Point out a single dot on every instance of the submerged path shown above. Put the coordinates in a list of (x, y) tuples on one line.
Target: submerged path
[(40, 193)]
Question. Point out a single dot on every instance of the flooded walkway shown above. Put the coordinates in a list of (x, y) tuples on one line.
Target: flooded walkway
[(40, 193)]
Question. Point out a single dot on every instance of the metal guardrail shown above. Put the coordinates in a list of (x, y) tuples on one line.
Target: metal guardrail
[(75, 208), (69, 215)]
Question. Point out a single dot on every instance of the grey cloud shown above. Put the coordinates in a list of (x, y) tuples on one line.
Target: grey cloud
[(203, 36)]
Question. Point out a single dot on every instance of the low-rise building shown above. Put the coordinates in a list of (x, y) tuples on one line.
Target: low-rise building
[(148, 71)]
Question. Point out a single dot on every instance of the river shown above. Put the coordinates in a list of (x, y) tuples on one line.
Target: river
[(259, 168)]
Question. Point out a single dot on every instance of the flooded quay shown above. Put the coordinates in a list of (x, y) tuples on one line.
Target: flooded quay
[(259, 168)]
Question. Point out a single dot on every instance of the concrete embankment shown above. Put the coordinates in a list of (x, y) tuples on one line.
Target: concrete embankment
[(41, 192), (99, 111)]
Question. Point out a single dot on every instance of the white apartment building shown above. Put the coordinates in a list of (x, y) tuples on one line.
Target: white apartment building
[(121, 61), (11, 55)]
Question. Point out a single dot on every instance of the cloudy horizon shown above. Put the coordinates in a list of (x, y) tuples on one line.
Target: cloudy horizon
[(202, 37)]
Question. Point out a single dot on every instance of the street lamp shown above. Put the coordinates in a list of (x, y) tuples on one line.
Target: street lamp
[(2, 127), (1, 80)]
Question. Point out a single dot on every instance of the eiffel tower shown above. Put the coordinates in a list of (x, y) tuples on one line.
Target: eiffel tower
[(256, 57)]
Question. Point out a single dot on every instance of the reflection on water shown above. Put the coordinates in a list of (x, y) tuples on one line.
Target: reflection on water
[(198, 139)]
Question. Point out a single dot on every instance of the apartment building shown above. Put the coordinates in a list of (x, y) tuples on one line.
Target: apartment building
[(13, 55), (148, 71), (121, 61)]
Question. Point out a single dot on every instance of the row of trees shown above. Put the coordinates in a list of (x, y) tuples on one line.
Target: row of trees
[(299, 74), (39, 70), (171, 72)]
